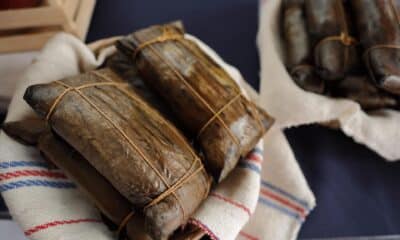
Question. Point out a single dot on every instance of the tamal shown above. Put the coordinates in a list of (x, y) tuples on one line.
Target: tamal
[(378, 24), (129, 143), (335, 52), (298, 48), (207, 101)]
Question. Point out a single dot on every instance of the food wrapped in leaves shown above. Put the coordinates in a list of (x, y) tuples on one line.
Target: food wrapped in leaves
[(125, 68), (110, 202), (128, 142), (27, 131), (378, 25), (360, 89), (334, 50), (205, 98), (299, 54)]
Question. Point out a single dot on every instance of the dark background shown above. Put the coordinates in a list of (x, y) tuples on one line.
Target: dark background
[(357, 191)]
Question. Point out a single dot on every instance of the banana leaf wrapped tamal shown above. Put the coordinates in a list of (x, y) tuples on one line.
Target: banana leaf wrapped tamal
[(335, 53), (378, 24), (298, 50), (126, 69), (103, 195), (204, 97), (359, 88), (109, 201), (129, 143)]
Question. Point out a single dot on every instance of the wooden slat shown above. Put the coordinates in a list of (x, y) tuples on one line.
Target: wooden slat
[(25, 42), (72, 16), (84, 16), (31, 17)]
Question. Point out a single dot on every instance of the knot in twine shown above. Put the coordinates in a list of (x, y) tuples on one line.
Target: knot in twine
[(346, 39)]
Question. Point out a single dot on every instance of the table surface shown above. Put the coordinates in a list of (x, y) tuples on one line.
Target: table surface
[(356, 190)]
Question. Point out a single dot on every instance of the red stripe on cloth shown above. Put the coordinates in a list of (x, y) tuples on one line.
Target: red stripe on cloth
[(254, 158), (30, 173), (58, 223), (203, 227), (283, 201), (248, 236), (232, 202)]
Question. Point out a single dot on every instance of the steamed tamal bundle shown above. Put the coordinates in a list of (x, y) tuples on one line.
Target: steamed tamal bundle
[(124, 67), (27, 131), (334, 47), (298, 49), (204, 97), (360, 89), (128, 142), (103, 195), (378, 25), (109, 201)]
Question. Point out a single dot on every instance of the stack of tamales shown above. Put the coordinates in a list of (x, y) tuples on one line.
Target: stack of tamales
[(142, 135), (346, 49)]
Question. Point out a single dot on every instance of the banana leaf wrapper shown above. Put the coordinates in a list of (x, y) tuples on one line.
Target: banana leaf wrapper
[(203, 96), (27, 131), (109, 201), (101, 193), (129, 143), (125, 68), (298, 49), (335, 53), (360, 89), (378, 27)]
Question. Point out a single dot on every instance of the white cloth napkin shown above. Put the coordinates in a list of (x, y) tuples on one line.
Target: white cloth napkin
[(11, 66), (292, 106), (48, 206)]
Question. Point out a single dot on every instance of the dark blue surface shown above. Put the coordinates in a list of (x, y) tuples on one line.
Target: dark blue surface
[(356, 190)]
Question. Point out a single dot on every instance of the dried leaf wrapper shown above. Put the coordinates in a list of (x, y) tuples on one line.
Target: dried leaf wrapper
[(378, 25), (128, 142), (203, 96)]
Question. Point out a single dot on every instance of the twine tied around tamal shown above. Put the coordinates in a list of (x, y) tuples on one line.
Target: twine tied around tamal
[(344, 37), (168, 35), (189, 174)]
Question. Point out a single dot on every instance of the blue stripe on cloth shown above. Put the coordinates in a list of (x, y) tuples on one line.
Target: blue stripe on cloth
[(249, 166), (286, 194), (280, 208), (31, 183), (5, 165), (257, 150)]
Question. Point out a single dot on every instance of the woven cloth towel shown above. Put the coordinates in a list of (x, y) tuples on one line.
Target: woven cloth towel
[(48, 206), (292, 106)]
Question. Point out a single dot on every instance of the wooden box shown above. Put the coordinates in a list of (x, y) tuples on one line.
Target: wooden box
[(29, 28)]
